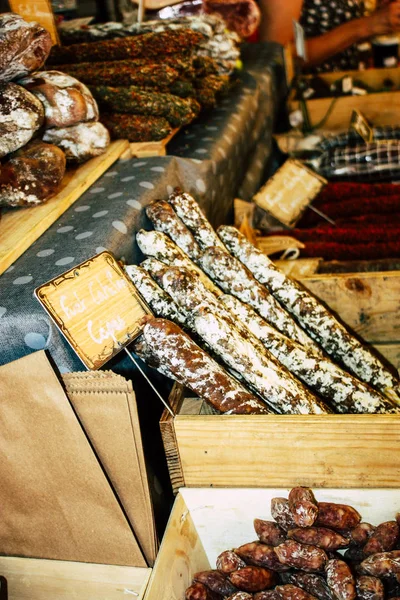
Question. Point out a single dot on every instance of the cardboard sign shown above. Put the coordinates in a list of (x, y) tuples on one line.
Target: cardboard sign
[(37, 10), (359, 124), (286, 195), (96, 307)]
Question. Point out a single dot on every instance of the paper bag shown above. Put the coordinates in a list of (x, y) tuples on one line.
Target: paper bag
[(55, 500), (106, 407)]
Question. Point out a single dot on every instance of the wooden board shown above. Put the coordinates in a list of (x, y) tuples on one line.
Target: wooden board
[(146, 149), (39, 11), (368, 302), (20, 227), (372, 77), (300, 448), (34, 579), (181, 555), (379, 109), (222, 519)]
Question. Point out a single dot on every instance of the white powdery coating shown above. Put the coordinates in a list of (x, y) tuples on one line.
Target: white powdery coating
[(313, 316), (294, 554), (279, 390), (164, 219), (200, 373), (160, 303), (160, 246), (13, 197), (235, 279), (340, 580), (319, 373), (21, 114), (153, 266), (191, 214), (79, 142)]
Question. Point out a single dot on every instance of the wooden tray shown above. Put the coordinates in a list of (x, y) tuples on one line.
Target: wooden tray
[(205, 522), (146, 149), (379, 108), (38, 579), (20, 227)]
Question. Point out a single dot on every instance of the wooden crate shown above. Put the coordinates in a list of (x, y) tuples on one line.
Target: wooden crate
[(379, 108), (38, 579), (205, 522), (226, 450), (20, 227)]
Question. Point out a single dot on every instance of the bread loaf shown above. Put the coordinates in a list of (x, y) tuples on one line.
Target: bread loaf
[(79, 142), (21, 114), (66, 100), (32, 175), (24, 47)]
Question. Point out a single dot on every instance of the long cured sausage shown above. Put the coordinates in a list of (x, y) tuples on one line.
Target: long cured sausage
[(191, 366), (313, 316), (164, 219), (160, 246), (234, 278), (346, 393), (271, 380), (191, 214)]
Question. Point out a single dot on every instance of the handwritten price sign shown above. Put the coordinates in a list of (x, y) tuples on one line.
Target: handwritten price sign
[(96, 307), (288, 193)]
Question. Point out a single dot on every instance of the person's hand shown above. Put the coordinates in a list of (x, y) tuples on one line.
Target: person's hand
[(385, 20)]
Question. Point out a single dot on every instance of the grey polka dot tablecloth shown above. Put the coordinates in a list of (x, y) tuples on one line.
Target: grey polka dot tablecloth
[(209, 159), (105, 217)]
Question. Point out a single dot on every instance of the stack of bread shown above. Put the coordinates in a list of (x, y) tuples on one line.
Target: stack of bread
[(155, 79), (255, 341), (46, 119)]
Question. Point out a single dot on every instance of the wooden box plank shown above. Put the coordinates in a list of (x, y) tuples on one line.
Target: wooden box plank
[(20, 227), (233, 450), (368, 302), (38, 579), (220, 519), (181, 556), (379, 109)]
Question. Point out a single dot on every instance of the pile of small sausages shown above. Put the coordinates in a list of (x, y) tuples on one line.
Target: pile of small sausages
[(296, 557)]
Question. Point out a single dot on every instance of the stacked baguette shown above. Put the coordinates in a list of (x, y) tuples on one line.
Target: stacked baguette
[(239, 321)]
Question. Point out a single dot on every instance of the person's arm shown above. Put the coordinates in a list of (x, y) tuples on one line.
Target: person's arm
[(277, 26), (324, 46), (381, 22)]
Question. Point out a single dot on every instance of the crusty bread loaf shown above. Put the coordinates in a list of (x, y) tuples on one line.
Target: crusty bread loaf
[(79, 142), (24, 47), (66, 100), (21, 114), (31, 175)]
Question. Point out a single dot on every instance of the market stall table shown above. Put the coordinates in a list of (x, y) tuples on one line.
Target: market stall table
[(106, 216)]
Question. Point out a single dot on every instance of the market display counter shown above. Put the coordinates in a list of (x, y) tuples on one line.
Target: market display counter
[(208, 159)]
